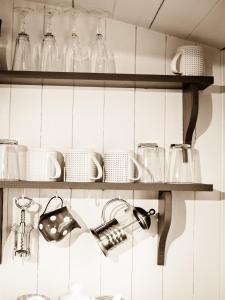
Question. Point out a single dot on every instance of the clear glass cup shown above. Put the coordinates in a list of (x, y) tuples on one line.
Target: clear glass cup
[(180, 166), (148, 158), (75, 56), (22, 53), (49, 54)]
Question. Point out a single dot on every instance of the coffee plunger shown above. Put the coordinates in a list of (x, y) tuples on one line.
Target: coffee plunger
[(117, 230), (22, 231)]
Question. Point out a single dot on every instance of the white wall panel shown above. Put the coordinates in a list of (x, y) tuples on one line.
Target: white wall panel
[(56, 132), (121, 40), (5, 110), (209, 144), (119, 134), (149, 127), (26, 115), (180, 239)]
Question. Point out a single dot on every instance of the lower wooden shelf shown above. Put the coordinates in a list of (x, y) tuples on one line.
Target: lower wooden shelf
[(107, 186), (164, 196)]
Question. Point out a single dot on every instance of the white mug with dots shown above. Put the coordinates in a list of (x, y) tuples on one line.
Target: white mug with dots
[(189, 60), (57, 224), (119, 166)]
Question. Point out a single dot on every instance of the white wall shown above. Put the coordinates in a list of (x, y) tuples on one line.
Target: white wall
[(64, 117)]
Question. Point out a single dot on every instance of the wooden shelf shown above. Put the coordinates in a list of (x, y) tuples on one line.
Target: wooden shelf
[(107, 186), (104, 80)]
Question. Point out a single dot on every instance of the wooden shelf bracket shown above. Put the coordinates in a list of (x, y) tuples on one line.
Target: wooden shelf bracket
[(190, 112), (164, 222)]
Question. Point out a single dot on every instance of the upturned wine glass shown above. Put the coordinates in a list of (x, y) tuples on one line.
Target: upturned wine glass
[(102, 58), (49, 58), (75, 55), (22, 53)]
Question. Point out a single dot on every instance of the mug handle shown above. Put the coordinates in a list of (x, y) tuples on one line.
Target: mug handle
[(56, 164), (54, 197), (174, 61), (138, 168), (99, 168)]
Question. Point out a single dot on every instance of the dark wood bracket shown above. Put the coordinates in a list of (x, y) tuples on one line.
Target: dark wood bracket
[(190, 112), (164, 222), (1, 223)]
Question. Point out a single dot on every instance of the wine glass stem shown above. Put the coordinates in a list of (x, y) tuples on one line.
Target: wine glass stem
[(100, 25)]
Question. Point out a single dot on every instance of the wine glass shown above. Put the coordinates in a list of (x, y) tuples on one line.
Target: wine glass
[(102, 57), (49, 50), (75, 56), (22, 53)]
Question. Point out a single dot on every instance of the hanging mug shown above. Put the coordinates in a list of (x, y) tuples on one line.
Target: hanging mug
[(189, 60), (55, 225)]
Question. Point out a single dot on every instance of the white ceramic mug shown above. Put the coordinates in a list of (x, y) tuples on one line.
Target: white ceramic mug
[(189, 60), (82, 165), (119, 166), (41, 164)]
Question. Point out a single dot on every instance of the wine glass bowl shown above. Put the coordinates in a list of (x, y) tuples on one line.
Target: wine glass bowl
[(102, 58), (49, 56), (22, 53), (75, 55)]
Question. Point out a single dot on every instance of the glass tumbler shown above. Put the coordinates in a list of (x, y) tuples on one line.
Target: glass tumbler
[(148, 157), (180, 166)]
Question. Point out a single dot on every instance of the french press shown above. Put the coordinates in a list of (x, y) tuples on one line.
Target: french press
[(22, 231), (117, 230)]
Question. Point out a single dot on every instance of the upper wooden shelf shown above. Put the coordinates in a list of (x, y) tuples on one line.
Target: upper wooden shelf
[(107, 186), (104, 80)]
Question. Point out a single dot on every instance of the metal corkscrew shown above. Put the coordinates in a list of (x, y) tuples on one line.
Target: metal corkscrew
[(23, 230)]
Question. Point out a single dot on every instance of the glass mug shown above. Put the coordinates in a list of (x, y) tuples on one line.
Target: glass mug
[(9, 166), (148, 158), (180, 166)]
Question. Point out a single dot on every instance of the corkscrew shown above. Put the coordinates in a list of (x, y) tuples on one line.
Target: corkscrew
[(23, 230)]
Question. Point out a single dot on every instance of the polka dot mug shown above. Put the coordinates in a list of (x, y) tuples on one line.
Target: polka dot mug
[(57, 224)]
